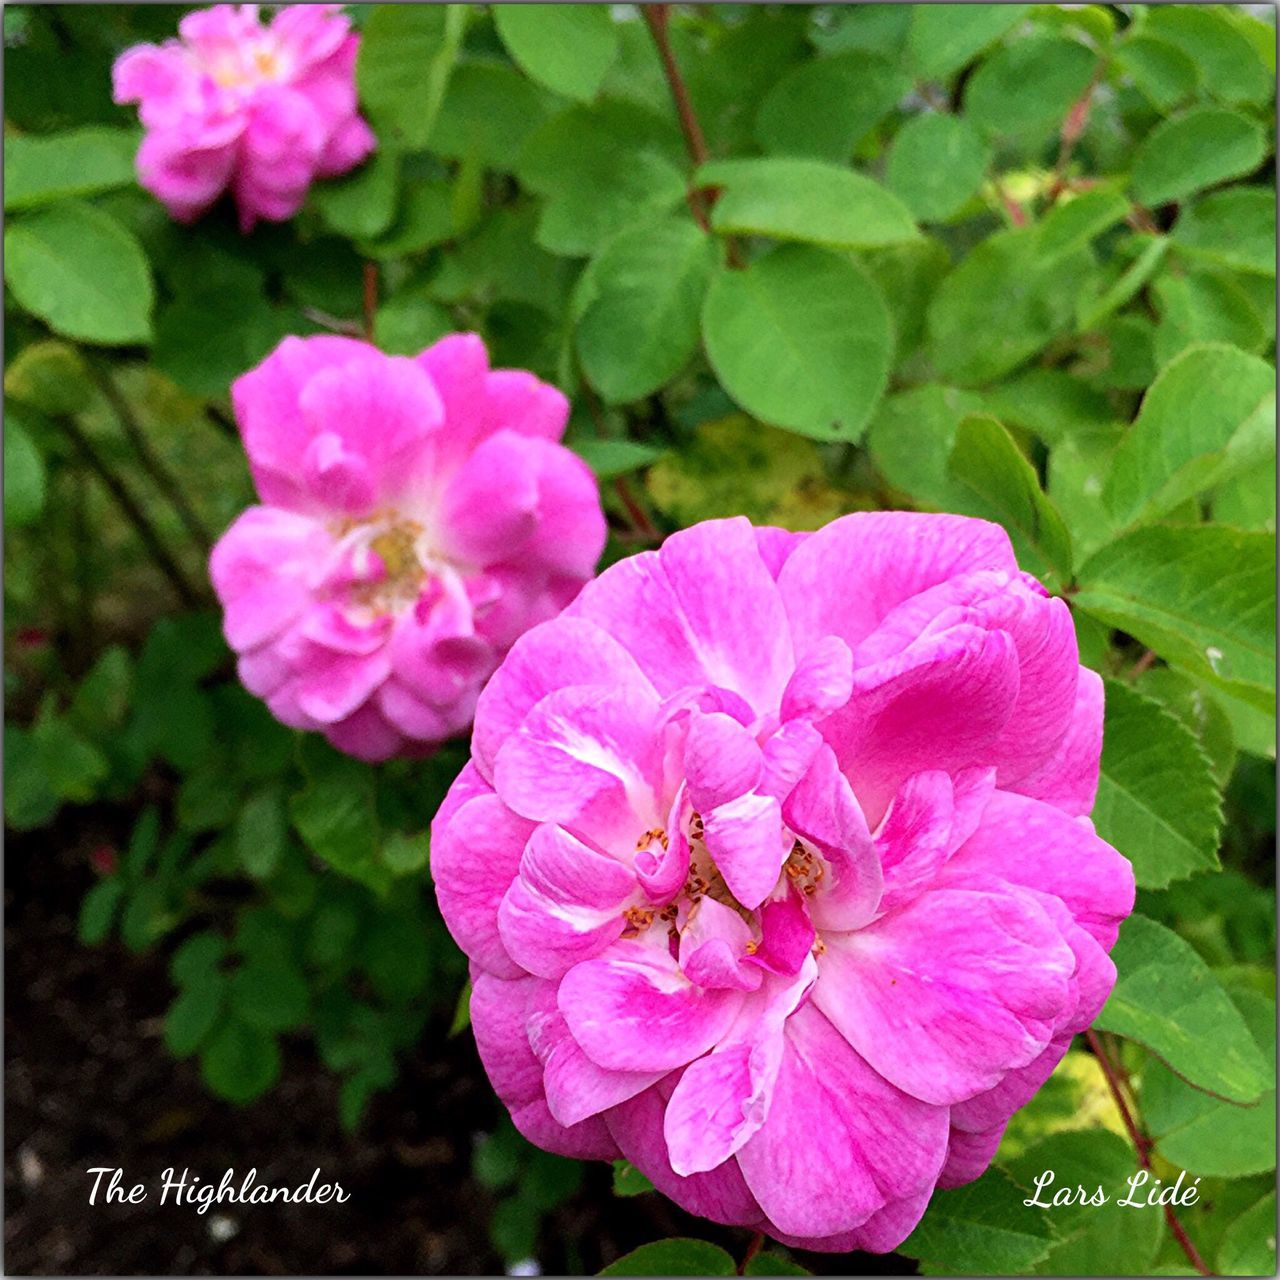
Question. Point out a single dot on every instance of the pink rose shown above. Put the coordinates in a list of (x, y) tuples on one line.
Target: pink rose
[(261, 110), (773, 867), (418, 516)]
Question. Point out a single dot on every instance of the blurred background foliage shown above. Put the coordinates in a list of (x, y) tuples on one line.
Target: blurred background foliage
[(1010, 260)]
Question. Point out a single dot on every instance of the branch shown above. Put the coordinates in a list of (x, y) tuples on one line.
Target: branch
[(152, 463), (1072, 127), (658, 17), (1142, 1145), (184, 589), (757, 1242), (641, 525)]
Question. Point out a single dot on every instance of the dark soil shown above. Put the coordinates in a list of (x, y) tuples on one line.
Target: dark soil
[(89, 1083)]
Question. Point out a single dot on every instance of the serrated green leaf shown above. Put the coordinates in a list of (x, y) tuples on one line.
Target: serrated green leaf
[(24, 475), (628, 1180), (49, 376), (1197, 149), (801, 339), (1248, 1246), (1157, 800), (1203, 597), (98, 910), (270, 992), (1160, 70), (679, 1257), (1071, 224), (988, 463), (1167, 999), (566, 47), (1229, 64), (489, 112), (1092, 1239), (981, 1229), (1199, 711), (191, 1017), (362, 204), (1203, 1134), (261, 832), (610, 458), (911, 439), (805, 200), (1202, 307), (81, 272), (197, 959)]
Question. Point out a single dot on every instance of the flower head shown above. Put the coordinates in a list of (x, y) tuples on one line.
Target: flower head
[(772, 865), (417, 516), (262, 110)]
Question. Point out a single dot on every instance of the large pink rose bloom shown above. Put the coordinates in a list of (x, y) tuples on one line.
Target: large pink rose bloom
[(773, 867), (263, 111), (418, 515)]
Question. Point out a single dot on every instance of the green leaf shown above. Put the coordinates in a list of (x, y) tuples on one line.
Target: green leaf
[(821, 109), (101, 701), (1160, 70), (1248, 1246), (1052, 404), (50, 376), (1002, 304), (1092, 1239), (80, 162), (1071, 224), (641, 327), (240, 1062), (362, 204), (73, 766), (569, 48), (1197, 149), (603, 169), (936, 164), (610, 458), (908, 276), (1235, 228), (1230, 65), (404, 853), (406, 55), (98, 910), (1199, 711), (81, 272), (1095, 304), (806, 200), (1208, 415), (488, 114), (1028, 84), (981, 1229), (24, 477), (1157, 800), (1203, 1134), (425, 219), (261, 832), (1167, 999), (336, 816), (911, 439), (678, 1257), (801, 339), (946, 36), (1201, 307), (270, 992), (197, 960), (986, 461), (628, 1180), (204, 341), (191, 1017), (1203, 597), (408, 323)]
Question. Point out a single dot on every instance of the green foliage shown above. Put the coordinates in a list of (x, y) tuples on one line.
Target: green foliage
[(1013, 261)]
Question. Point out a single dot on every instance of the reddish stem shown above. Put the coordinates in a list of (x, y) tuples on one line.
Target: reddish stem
[(1144, 663), (1072, 127), (1142, 1145), (370, 297), (757, 1242), (658, 16)]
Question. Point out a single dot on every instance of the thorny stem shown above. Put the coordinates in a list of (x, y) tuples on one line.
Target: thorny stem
[(152, 463), (757, 1242), (658, 17), (1142, 1145), (370, 297), (186, 592)]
